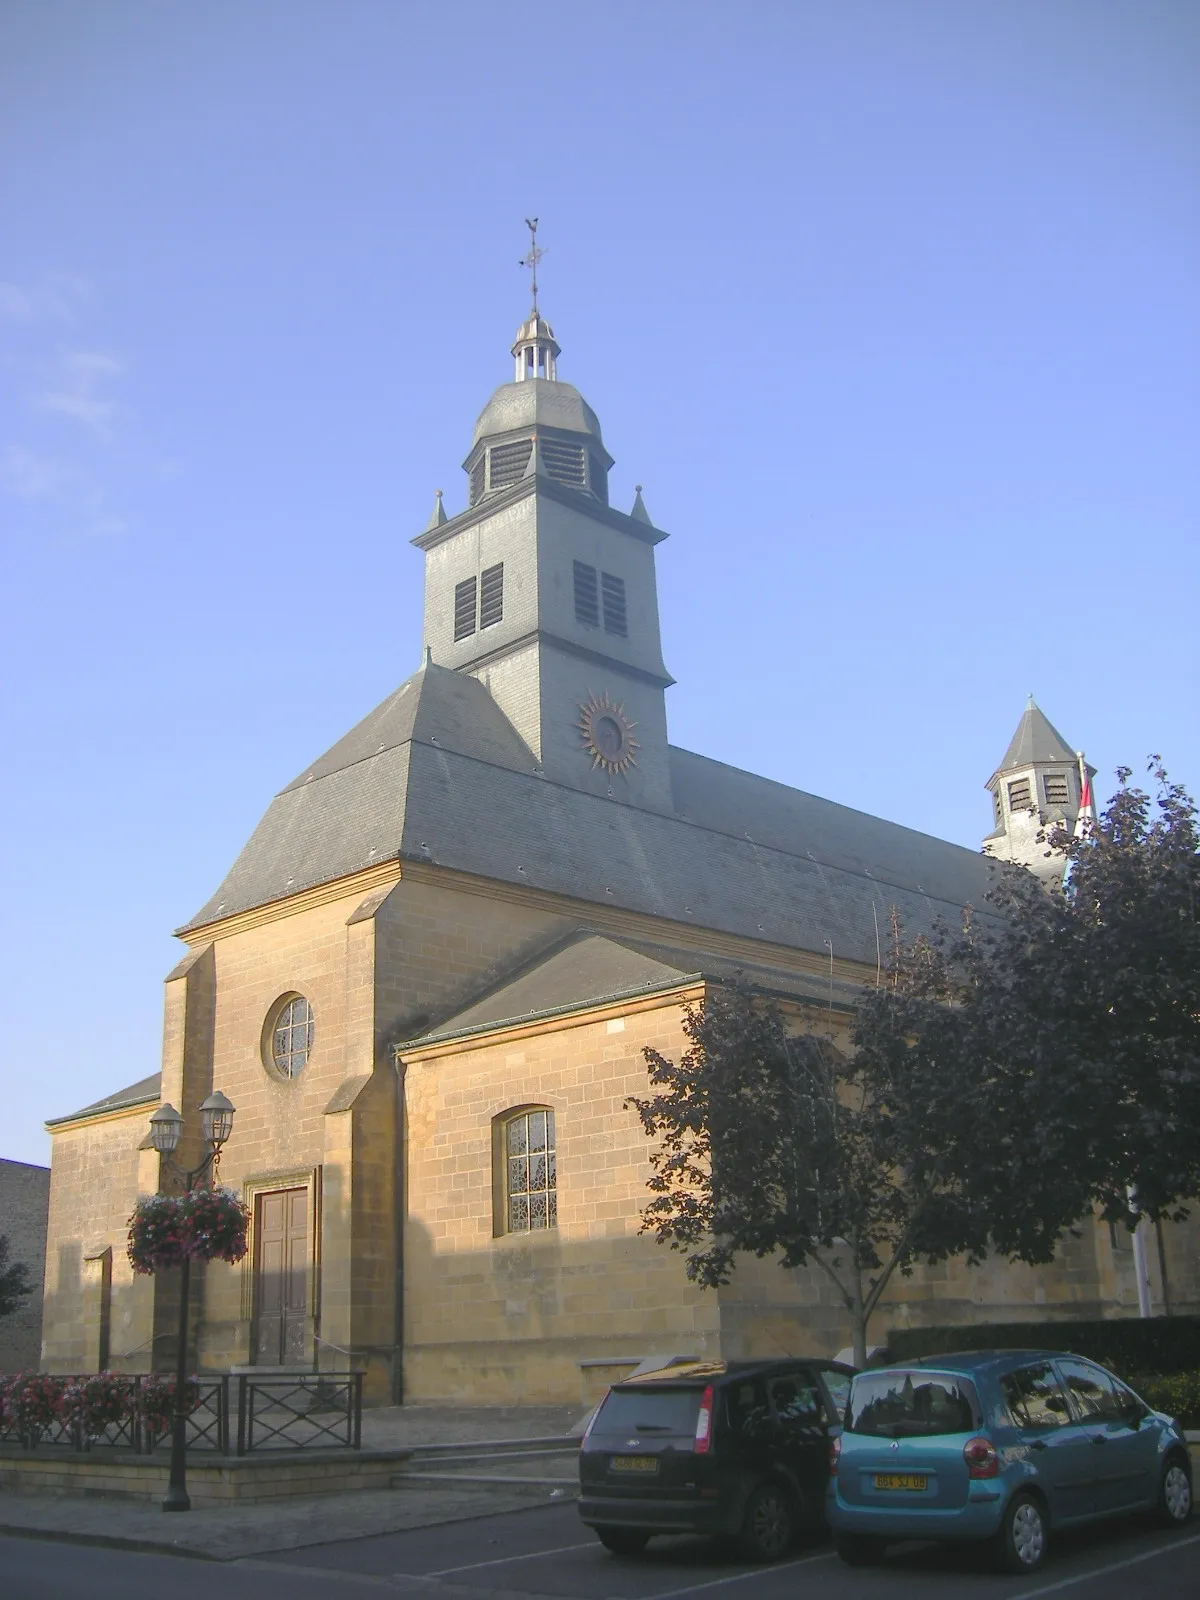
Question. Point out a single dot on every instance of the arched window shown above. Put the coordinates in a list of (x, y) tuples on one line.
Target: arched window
[(526, 1177)]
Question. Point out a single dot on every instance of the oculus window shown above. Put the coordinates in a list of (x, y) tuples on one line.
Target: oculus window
[(528, 1176), (289, 1036)]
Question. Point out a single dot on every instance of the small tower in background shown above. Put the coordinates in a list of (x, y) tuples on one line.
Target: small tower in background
[(1035, 786)]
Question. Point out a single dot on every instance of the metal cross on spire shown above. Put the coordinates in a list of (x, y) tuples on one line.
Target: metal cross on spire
[(534, 256)]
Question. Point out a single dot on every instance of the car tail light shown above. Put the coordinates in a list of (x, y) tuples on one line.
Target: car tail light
[(704, 1423), (835, 1454), (592, 1419), (980, 1455)]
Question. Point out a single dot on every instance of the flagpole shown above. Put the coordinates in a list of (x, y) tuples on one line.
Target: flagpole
[(1084, 822)]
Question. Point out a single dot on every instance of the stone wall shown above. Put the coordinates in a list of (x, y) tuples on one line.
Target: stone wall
[(97, 1313), (24, 1207), (497, 1317)]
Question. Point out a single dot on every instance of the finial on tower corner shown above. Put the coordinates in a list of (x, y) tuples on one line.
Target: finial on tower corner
[(438, 515), (531, 260), (639, 507)]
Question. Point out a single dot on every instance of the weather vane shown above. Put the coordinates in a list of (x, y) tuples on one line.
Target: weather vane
[(534, 256)]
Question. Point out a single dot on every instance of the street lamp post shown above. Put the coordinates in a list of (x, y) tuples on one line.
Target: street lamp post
[(166, 1127)]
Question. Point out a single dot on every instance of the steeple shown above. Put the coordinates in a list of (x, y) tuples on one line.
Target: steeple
[(546, 594), (1035, 786)]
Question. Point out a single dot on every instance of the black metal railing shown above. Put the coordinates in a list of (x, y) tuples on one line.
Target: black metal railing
[(320, 1410)]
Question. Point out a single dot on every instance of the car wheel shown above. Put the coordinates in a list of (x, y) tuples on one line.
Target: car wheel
[(859, 1549), (1023, 1539), (769, 1524), (623, 1541), (1174, 1494)]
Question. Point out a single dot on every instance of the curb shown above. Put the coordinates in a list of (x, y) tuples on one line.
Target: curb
[(154, 1547), (105, 1541)]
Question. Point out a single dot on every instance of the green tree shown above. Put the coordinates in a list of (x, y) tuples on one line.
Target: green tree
[(15, 1283), (1010, 1076), (772, 1142), (1087, 1002)]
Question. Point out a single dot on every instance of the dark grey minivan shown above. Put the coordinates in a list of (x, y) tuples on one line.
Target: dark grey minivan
[(737, 1449)]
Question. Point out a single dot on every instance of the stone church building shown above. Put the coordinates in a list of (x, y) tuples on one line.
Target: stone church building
[(427, 981)]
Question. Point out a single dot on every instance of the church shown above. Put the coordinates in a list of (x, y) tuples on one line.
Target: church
[(427, 983)]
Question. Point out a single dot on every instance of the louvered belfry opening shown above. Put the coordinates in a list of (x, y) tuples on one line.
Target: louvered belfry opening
[(613, 591), (464, 609), (499, 466), (491, 596), (565, 463), (507, 462), (587, 595)]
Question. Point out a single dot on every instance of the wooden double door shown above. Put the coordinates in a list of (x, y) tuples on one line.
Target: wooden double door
[(281, 1266)]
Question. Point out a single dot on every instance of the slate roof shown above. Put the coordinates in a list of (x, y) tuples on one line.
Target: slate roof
[(140, 1093), (1036, 739), (588, 969), (437, 774), (534, 401)]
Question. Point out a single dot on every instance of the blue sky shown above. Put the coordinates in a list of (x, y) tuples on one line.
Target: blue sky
[(891, 305)]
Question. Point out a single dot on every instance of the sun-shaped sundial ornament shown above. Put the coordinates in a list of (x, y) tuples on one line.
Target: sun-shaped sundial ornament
[(607, 734)]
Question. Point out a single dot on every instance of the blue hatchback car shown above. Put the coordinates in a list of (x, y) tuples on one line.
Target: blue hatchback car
[(998, 1445)]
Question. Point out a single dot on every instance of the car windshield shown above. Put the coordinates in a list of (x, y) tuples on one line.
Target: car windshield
[(897, 1405), (650, 1411)]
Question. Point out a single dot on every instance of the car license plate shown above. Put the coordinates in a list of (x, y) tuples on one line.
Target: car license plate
[(901, 1480), (633, 1463)]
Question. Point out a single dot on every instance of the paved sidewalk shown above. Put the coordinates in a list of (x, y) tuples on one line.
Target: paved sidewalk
[(225, 1534)]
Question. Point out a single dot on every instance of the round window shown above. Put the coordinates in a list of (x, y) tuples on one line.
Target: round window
[(291, 1036)]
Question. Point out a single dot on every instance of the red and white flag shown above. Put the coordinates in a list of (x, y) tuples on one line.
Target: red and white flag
[(1087, 806)]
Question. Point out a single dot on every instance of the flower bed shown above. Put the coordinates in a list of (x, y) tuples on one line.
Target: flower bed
[(98, 1403), (204, 1225), (36, 1404)]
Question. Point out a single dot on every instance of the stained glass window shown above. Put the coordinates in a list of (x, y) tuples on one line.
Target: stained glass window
[(531, 1178)]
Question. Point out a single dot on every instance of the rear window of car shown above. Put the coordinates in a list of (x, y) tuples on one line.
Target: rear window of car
[(902, 1404), (650, 1411)]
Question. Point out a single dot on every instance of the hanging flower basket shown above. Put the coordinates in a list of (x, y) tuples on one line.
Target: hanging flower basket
[(205, 1225), (219, 1223)]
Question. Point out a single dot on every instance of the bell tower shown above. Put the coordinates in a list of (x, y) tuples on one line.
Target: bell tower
[(1036, 786), (546, 593)]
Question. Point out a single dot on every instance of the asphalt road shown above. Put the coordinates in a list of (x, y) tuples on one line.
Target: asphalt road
[(547, 1552)]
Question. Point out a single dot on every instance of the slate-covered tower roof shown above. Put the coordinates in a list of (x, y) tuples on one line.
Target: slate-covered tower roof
[(1036, 785)]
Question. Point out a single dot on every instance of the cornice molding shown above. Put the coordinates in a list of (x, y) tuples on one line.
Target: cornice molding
[(94, 1119), (570, 648), (521, 490), (383, 874)]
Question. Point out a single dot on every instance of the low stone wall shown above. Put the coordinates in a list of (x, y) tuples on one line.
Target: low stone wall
[(212, 1480)]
